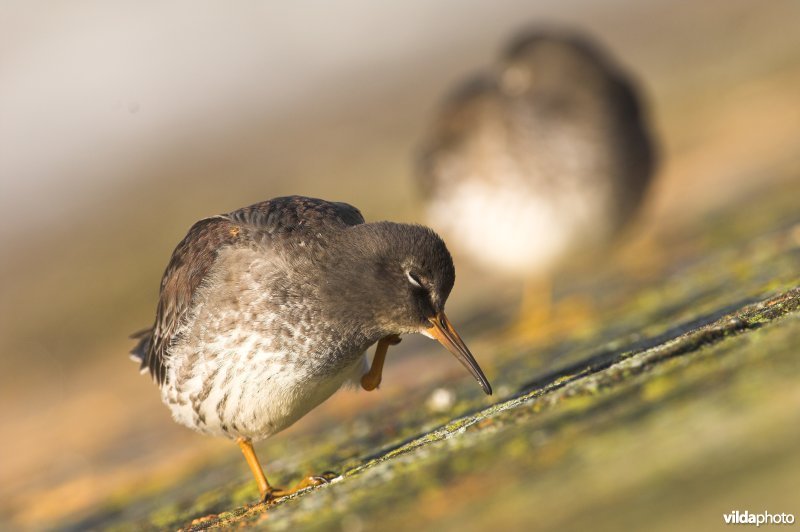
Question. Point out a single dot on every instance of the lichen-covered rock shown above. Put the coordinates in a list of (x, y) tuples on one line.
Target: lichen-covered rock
[(679, 403)]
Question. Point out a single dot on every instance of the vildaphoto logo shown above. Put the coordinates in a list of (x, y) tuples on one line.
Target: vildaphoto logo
[(764, 518)]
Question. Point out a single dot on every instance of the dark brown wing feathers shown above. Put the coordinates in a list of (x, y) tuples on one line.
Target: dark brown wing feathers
[(189, 264)]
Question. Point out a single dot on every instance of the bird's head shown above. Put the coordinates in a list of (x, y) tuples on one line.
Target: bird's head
[(553, 61), (400, 278)]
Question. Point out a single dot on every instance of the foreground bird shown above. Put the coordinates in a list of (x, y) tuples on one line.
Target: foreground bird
[(266, 311), (541, 159)]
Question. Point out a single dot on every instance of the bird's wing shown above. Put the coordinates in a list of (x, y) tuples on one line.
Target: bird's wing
[(294, 214), (187, 268), (461, 116), (637, 149), (197, 252)]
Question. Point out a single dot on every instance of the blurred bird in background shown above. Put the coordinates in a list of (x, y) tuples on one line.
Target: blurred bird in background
[(538, 162)]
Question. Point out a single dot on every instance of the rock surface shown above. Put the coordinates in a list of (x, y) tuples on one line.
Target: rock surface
[(676, 403)]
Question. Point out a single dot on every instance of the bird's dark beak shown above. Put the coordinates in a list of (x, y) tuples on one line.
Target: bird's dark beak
[(442, 330)]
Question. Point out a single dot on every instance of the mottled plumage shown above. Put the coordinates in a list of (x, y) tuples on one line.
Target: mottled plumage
[(266, 311), (541, 157), (268, 223)]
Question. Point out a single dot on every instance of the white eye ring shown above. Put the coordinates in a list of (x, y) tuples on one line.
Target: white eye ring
[(413, 281)]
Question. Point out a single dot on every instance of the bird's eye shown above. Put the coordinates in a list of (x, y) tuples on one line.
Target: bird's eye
[(413, 279)]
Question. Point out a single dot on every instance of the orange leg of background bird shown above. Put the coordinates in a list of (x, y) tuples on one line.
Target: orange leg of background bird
[(371, 379), (537, 300), (543, 319)]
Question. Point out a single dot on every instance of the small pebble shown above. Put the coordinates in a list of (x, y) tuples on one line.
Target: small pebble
[(441, 400)]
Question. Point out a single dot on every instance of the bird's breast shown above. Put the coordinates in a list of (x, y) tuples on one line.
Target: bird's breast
[(240, 386)]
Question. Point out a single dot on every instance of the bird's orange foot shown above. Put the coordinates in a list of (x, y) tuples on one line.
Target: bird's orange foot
[(308, 482), (552, 320)]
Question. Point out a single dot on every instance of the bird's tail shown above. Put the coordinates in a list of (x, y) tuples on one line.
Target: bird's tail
[(139, 352)]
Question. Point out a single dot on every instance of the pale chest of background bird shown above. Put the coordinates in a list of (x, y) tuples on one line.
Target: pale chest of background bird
[(520, 210)]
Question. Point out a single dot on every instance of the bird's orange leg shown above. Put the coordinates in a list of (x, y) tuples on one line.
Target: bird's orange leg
[(252, 460), (371, 379), (542, 319), (268, 492), (536, 306)]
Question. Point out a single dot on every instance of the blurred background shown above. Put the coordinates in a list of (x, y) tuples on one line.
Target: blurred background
[(121, 125)]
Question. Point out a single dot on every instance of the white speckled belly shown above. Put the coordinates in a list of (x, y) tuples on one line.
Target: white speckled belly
[(242, 391)]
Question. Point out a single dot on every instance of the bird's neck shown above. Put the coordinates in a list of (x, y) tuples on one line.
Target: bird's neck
[(353, 285)]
